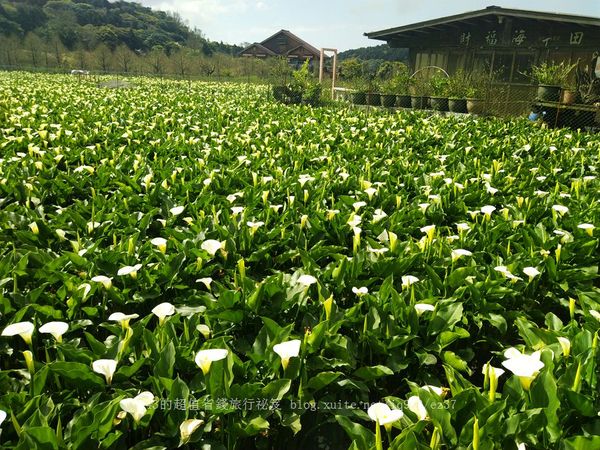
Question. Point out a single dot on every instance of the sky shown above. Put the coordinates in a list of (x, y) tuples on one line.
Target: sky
[(334, 23)]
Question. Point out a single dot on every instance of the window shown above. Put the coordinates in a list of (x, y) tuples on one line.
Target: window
[(503, 63), (482, 62), (523, 63)]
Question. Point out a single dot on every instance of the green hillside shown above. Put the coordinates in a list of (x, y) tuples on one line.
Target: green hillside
[(380, 52), (86, 24)]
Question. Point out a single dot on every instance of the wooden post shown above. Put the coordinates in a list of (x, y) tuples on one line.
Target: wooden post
[(321, 67), (334, 74)]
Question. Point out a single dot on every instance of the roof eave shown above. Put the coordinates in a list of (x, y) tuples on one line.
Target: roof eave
[(492, 10)]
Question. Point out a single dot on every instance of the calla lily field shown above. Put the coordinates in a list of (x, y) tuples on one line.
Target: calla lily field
[(194, 265)]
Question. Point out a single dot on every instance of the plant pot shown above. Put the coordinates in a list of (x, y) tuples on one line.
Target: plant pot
[(373, 99), (418, 101), (403, 101), (475, 106), (569, 97), (439, 103), (548, 93), (359, 98), (388, 100), (458, 105)]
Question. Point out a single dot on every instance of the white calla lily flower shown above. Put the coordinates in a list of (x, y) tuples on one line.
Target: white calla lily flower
[(408, 280), (492, 374), (204, 358), (423, 307), (287, 350), (163, 311), (560, 209), (488, 210), (188, 427), (531, 272), (236, 210), (23, 329), (415, 404), (306, 280), (587, 227), (129, 270), (34, 228), (459, 253), (435, 389), (105, 367), (2, 416), (384, 415), (360, 291), (137, 406), (204, 330), (526, 367), (429, 230), (254, 226), (358, 205), (104, 280), (123, 319), (160, 243), (177, 210), (379, 215), (56, 329), (206, 281), (463, 227), (212, 246)]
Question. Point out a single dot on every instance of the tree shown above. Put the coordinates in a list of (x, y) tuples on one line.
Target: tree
[(58, 50), (157, 61), (103, 58), (351, 69), (34, 46), (181, 61), (124, 58), (9, 51)]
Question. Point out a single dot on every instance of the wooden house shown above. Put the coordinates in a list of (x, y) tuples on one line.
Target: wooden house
[(283, 43), (505, 41)]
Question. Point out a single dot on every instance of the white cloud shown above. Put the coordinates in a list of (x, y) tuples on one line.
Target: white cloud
[(202, 12)]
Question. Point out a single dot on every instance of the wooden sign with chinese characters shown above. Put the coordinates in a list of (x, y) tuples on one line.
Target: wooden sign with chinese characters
[(521, 37)]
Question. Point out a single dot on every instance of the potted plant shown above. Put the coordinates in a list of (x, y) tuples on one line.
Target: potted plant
[(588, 85), (478, 84), (419, 89), (550, 78), (457, 90), (439, 92), (569, 94)]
